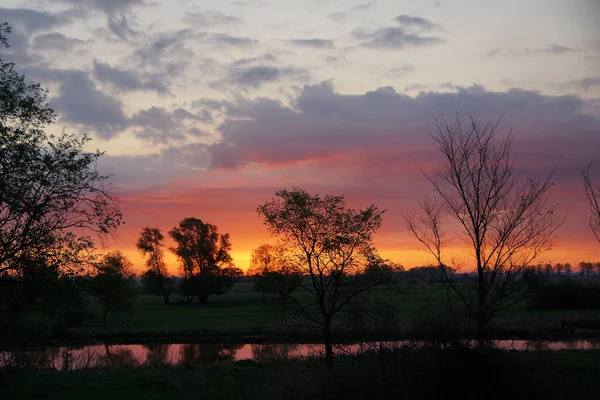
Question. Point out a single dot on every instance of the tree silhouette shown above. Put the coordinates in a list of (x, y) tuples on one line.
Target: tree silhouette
[(114, 284), (205, 259), (272, 272), (329, 243), (506, 222), (54, 203), (150, 244)]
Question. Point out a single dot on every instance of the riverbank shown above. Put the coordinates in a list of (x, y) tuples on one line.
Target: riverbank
[(565, 327), (407, 373)]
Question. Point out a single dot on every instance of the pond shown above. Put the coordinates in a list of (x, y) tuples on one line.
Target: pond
[(137, 355)]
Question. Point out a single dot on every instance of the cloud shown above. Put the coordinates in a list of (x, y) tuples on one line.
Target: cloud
[(120, 26), (415, 86), (338, 16), (267, 57), (589, 83), (314, 43), (400, 71), (208, 19), (256, 76), (31, 20), (409, 21), (156, 169), (106, 6), (165, 54), (407, 33), (553, 49), (126, 80), (55, 41), (25, 23), (363, 7), (223, 39), (157, 125), (80, 103), (385, 127)]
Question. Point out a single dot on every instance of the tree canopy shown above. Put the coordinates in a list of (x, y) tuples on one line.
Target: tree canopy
[(331, 244), (205, 259), (54, 203)]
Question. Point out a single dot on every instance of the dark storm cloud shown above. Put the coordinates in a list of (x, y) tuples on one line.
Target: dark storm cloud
[(323, 124), (314, 43), (407, 33), (126, 80)]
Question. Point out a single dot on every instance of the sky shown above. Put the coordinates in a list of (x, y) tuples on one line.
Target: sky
[(205, 108)]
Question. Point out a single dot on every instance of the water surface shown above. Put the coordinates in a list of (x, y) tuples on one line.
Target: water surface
[(137, 355)]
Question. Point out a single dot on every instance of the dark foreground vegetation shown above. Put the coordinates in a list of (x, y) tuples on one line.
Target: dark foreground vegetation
[(448, 372)]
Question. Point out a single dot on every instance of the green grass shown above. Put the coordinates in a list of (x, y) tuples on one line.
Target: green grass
[(242, 310)]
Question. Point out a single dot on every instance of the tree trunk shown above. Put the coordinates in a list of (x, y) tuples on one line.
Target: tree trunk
[(328, 344), (480, 317), (105, 314), (166, 297), (202, 298)]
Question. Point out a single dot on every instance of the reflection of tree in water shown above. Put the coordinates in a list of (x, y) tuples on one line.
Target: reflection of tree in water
[(158, 354), (271, 352), (37, 359), (118, 357), (208, 353), (536, 345)]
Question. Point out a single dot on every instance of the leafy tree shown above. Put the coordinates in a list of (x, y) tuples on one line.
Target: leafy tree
[(505, 221), (114, 284), (329, 243), (204, 254), (568, 269), (272, 273), (151, 244), (586, 268), (54, 203)]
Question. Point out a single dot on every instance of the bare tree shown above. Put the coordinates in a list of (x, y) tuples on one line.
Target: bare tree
[(506, 222), (593, 194), (331, 245)]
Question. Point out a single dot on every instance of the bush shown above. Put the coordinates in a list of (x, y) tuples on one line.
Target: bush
[(568, 294)]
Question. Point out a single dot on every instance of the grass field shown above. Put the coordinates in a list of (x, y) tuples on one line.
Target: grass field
[(244, 310), (408, 375)]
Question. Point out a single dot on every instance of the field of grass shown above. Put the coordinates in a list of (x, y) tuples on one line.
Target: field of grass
[(242, 310)]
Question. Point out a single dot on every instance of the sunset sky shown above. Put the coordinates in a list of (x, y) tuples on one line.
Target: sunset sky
[(205, 108)]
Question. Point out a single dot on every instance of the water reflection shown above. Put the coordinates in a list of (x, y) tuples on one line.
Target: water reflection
[(154, 354)]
